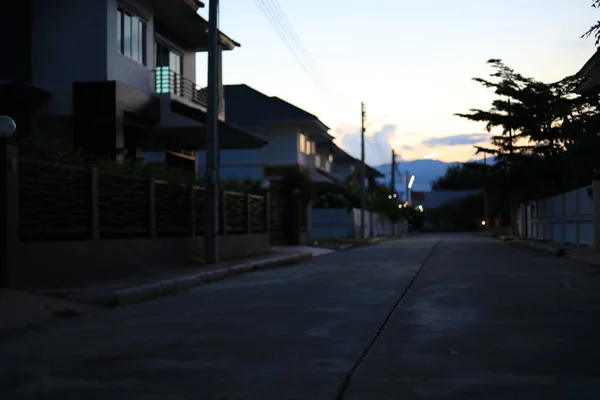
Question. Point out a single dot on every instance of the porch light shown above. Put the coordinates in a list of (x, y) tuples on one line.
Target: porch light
[(8, 126), (265, 185)]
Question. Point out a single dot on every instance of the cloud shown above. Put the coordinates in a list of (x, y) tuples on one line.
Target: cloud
[(407, 147), (457, 140), (377, 145)]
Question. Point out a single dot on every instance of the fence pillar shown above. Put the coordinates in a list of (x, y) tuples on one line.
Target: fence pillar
[(193, 210), (152, 207), (248, 213), (267, 205), (9, 209), (596, 211), (94, 204), (577, 215), (223, 213), (563, 206)]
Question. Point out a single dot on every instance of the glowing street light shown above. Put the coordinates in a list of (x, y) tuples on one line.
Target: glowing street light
[(412, 180)]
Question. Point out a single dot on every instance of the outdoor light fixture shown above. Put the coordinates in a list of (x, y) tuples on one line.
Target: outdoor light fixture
[(482, 223), (390, 197), (412, 180), (265, 185), (399, 205), (8, 126), (395, 195)]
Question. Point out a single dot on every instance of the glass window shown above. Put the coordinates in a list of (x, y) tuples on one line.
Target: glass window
[(127, 35), (120, 31), (131, 36), (330, 157), (135, 43), (302, 143)]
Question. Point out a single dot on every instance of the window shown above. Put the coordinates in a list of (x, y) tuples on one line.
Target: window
[(307, 146), (330, 157), (169, 69), (302, 143), (131, 36)]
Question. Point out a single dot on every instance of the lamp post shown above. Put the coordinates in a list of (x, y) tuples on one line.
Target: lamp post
[(7, 129)]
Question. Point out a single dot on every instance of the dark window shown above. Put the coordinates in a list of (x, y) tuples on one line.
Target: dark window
[(131, 36)]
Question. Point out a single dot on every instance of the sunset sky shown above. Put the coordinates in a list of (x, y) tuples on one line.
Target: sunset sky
[(410, 61)]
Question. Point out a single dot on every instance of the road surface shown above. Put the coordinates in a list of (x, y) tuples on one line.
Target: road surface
[(447, 316)]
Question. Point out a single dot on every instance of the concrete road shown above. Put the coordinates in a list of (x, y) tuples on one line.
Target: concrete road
[(452, 317)]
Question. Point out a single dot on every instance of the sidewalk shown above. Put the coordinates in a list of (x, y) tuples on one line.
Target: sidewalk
[(20, 310), (154, 283), (586, 255)]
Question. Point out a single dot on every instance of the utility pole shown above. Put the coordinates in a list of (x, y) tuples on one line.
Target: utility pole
[(363, 178), (211, 204), (485, 194), (393, 183), (406, 181)]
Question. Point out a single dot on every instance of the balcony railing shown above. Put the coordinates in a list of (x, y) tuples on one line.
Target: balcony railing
[(168, 81)]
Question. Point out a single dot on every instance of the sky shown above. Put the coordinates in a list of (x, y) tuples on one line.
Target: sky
[(410, 61)]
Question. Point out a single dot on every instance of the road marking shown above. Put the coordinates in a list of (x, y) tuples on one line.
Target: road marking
[(348, 377)]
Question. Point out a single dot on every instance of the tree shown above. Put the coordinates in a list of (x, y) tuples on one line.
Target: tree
[(465, 176), (595, 29), (534, 125)]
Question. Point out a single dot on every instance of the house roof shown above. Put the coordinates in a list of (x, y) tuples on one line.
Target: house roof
[(590, 72), (179, 19), (246, 106), (341, 157)]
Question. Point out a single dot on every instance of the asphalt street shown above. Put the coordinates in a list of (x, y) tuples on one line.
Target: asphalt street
[(446, 316)]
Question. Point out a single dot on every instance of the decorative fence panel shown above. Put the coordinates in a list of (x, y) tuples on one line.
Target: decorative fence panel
[(173, 209), (123, 206), (55, 202), (62, 202), (236, 213), (258, 214)]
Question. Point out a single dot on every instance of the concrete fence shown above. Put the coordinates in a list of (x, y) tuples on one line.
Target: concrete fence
[(571, 217), (68, 225), (333, 222)]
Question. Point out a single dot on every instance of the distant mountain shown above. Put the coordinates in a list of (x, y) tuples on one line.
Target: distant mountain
[(425, 172)]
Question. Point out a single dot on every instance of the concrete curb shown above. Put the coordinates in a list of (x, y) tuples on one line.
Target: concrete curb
[(138, 294), (552, 250)]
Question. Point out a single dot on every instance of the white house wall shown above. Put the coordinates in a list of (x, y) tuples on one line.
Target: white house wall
[(68, 42), (282, 148)]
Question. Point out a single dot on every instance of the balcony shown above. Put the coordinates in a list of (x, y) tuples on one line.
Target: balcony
[(168, 81), (317, 161)]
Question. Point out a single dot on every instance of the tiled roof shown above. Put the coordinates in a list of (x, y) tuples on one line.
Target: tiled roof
[(246, 106)]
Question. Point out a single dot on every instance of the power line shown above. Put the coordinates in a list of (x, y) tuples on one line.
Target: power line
[(292, 33), (283, 33)]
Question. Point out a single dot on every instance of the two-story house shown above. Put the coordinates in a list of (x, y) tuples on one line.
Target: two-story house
[(344, 165), (113, 77), (292, 135)]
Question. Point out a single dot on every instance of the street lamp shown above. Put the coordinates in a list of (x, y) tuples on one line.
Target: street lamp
[(7, 130)]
